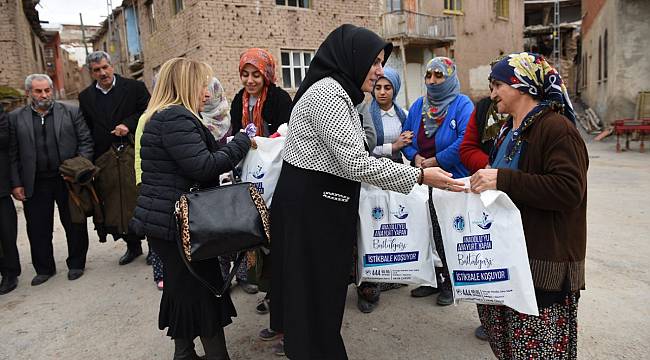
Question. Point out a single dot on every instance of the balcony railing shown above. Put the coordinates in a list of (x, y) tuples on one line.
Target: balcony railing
[(416, 26)]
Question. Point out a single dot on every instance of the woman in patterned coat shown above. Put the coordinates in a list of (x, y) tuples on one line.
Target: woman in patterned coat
[(315, 206)]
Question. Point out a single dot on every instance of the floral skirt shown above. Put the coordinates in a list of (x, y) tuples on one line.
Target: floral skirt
[(551, 335)]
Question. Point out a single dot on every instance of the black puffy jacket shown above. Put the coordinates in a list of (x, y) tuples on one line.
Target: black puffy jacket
[(177, 153)]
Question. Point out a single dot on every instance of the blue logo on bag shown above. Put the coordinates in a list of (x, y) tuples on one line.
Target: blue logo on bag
[(485, 222), (258, 174), (402, 213), (377, 213), (459, 223)]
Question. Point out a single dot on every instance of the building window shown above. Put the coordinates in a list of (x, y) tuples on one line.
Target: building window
[(151, 15), (293, 3), (178, 6), (503, 7), (600, 58), (295, 64), (454, 7), (393, 5), (605, 56)]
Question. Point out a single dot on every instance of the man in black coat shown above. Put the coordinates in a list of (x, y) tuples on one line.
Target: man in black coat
[(9, 262), (43, 134), (112, 106)]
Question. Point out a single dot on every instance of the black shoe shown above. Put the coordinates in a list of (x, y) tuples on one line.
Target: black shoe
[(423, 291), (8, 284), (129, 256), (365, 306), (40, 278), (481, 333), (74, 274), (445, 298)]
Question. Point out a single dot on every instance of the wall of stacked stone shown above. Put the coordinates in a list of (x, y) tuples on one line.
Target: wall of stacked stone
[(16, 46), (219, 31)]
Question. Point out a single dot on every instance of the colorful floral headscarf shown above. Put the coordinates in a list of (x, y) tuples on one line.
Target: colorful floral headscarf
[(531, 74), (439, 96), (264, 62), (216, 114)]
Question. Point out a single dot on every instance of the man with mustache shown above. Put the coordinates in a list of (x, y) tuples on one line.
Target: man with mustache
[(43, 134), (112, 106)]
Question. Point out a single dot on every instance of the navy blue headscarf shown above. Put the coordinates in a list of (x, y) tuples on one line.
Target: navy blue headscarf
[(531, 74)]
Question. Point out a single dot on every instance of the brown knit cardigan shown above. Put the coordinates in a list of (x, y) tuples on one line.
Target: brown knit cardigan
[(550, 190)]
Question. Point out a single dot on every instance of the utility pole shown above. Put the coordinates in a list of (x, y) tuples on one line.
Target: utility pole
[(111, 46), (556, 34), (83, 34)]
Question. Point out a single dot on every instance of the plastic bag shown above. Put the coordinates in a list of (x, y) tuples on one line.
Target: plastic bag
[(485, 249), (262, 166), (394, 237)]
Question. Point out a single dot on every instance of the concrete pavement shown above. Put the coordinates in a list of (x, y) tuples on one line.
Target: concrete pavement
[(111, 312)]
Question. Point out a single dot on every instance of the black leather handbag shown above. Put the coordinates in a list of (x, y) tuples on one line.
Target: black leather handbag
[(206, 233)]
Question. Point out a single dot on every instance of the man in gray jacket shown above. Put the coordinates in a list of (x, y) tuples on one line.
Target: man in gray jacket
[(43, 135)]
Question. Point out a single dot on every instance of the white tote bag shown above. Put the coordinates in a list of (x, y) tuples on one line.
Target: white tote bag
[(486, 249), (394, 237), (262, 166)]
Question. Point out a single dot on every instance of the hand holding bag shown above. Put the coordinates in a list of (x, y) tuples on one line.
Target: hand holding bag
[(207, 234)]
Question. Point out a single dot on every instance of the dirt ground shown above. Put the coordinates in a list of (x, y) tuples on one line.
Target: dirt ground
[(111, 312)]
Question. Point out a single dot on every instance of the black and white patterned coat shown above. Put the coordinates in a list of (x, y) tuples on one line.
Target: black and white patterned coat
[(325, 134)]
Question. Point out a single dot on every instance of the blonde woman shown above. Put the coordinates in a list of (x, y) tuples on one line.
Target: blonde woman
[(177, 151)]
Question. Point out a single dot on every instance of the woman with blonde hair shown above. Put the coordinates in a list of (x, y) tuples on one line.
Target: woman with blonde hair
[(178, 152)]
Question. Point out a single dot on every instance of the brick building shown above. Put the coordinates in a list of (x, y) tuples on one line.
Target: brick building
[(120, 37), (473, 33), (218, 31), (539, 35), (614, 64), (21, 42)]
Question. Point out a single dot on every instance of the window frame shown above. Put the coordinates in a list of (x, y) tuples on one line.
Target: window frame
[(605, 56), (297, 6), (151, 16), (453, 7), (177, 6), (600, 59), (391, 8), (502, 9), (291, 66)]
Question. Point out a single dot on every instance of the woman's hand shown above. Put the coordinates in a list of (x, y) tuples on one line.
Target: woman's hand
[(253, 143), (438, 178), (418, 160), (484, 179), (404, 139), (429, 162)]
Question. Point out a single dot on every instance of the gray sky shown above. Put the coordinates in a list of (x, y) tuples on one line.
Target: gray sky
[(67, 11)]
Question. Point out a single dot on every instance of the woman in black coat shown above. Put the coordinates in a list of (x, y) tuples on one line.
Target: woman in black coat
[(178, 153)]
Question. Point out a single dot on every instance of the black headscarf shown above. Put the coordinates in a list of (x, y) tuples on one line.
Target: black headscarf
[(346, 55)]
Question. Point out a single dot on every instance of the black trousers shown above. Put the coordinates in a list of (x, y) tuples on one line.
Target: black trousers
[(9, 263), (39, 215)]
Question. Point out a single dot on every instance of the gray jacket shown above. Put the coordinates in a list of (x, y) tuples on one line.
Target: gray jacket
[(71, 134), (368, 125)]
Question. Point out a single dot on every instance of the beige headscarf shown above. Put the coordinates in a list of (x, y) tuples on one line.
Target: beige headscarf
[(216, 114)]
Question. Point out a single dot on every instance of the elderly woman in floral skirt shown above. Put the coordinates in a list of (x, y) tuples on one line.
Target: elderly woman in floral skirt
[(541, 162)]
